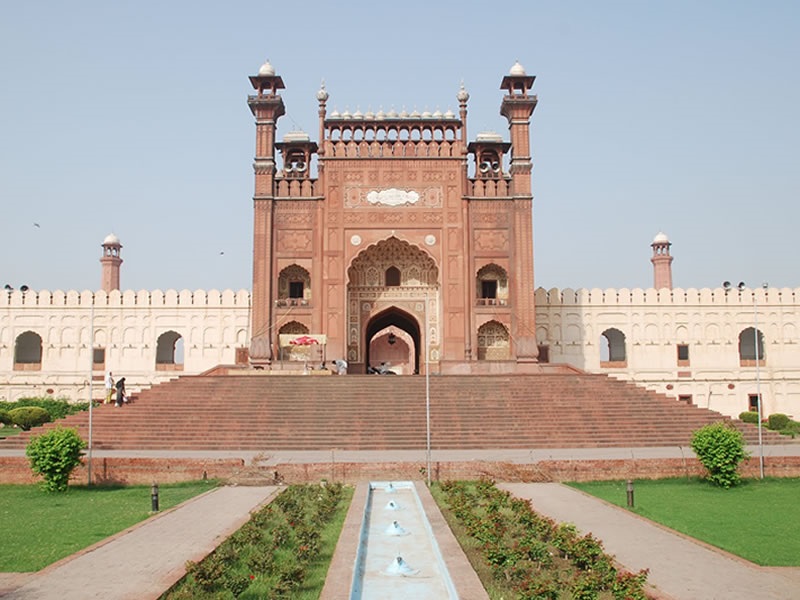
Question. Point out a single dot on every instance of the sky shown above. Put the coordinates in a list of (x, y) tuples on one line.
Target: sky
[(132, 118)]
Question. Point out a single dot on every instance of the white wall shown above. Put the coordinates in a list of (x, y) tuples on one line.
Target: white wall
[(654, 322)]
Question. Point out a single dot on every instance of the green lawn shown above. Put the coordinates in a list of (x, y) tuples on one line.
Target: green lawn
[(757, 520), (37, 528)]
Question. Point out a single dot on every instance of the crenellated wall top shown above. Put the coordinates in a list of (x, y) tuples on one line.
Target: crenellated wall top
[(673, 297), (128, 298)]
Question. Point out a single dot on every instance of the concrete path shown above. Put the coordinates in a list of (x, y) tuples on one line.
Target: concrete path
[(680, 567), (143, 562)]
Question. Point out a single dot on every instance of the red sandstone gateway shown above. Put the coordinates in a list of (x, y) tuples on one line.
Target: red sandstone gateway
[(395, 224)]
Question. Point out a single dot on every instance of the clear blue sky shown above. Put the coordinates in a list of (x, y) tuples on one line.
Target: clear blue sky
[(131, 117)]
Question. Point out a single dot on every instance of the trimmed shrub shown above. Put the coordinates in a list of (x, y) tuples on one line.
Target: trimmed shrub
[(54, 455), (5, 418), (720, 448), (749, 417), (778, 422), (26, 417), (57, 408)]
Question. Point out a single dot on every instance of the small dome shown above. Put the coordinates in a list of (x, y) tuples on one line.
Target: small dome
[(322, 94), (111, 240), (517, 70), (462, 95), (449, 114), (266, 70), (661, 238)]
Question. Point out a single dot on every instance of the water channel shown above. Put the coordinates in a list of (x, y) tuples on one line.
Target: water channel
[(398, 557)]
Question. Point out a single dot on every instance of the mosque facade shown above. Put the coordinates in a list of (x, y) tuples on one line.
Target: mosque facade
[(396, 238)]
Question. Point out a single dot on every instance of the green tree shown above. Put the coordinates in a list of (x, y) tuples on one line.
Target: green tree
[(720, 448), (54, 455)]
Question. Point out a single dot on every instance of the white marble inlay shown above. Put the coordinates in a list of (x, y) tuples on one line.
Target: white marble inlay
[(393, 197)]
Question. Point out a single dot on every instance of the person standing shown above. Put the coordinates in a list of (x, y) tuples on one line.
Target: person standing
[(109, 388), (120, 391)]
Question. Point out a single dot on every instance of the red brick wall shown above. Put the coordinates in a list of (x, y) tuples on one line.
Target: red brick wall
[(148, 470)]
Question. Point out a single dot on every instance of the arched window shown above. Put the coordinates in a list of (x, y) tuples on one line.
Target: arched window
[(392, 276), (492, 285), (493, 341), (748, 351), (28, 350), (169, 351), (612, 348), (294, 286)]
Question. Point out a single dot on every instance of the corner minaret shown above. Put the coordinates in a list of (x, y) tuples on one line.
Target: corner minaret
[(267, 106), (518, 106), (111, 262), (662, 262)]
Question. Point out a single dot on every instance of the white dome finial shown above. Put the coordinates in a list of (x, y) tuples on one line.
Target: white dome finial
[(322, 94), (517, 70), (111, 240), (266, 70)]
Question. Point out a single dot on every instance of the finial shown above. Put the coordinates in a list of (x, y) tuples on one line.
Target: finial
[(322, 94), (463, 95)]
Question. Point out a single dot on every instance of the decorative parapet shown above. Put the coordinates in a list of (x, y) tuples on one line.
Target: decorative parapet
[(127, 298), (673, 297)]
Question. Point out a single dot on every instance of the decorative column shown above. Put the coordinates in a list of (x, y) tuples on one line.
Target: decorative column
[(266, 106), (518, 106)]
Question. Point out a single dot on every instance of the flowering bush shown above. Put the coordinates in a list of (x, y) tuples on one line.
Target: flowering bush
[(530, 555)]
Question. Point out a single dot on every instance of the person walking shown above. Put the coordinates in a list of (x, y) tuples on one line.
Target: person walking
[(120, 391), (109, 388)]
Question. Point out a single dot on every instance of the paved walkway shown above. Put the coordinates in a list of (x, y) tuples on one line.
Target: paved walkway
[(143, 562), (680, 568)]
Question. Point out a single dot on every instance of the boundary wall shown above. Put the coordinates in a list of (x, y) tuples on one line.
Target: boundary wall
[(210, 326)]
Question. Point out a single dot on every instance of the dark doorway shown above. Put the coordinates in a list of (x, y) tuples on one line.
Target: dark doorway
[(401, 320)]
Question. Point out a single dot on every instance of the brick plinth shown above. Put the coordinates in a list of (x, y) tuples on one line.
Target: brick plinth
[(168, 470)]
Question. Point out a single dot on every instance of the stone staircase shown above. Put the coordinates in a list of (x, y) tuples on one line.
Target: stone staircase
[(258, 412)]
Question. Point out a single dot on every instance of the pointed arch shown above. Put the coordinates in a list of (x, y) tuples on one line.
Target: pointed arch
[(28, 351), (493, 341)]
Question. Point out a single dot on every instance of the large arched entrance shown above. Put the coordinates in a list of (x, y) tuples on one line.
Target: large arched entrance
[(393, 337), (392, 294)]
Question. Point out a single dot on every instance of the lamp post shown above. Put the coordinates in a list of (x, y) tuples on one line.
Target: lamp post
[(91, 397), (741, 286), (426, 349)]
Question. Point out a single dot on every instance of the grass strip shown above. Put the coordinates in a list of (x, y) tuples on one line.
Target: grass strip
[(38, 528), (752, 520)]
